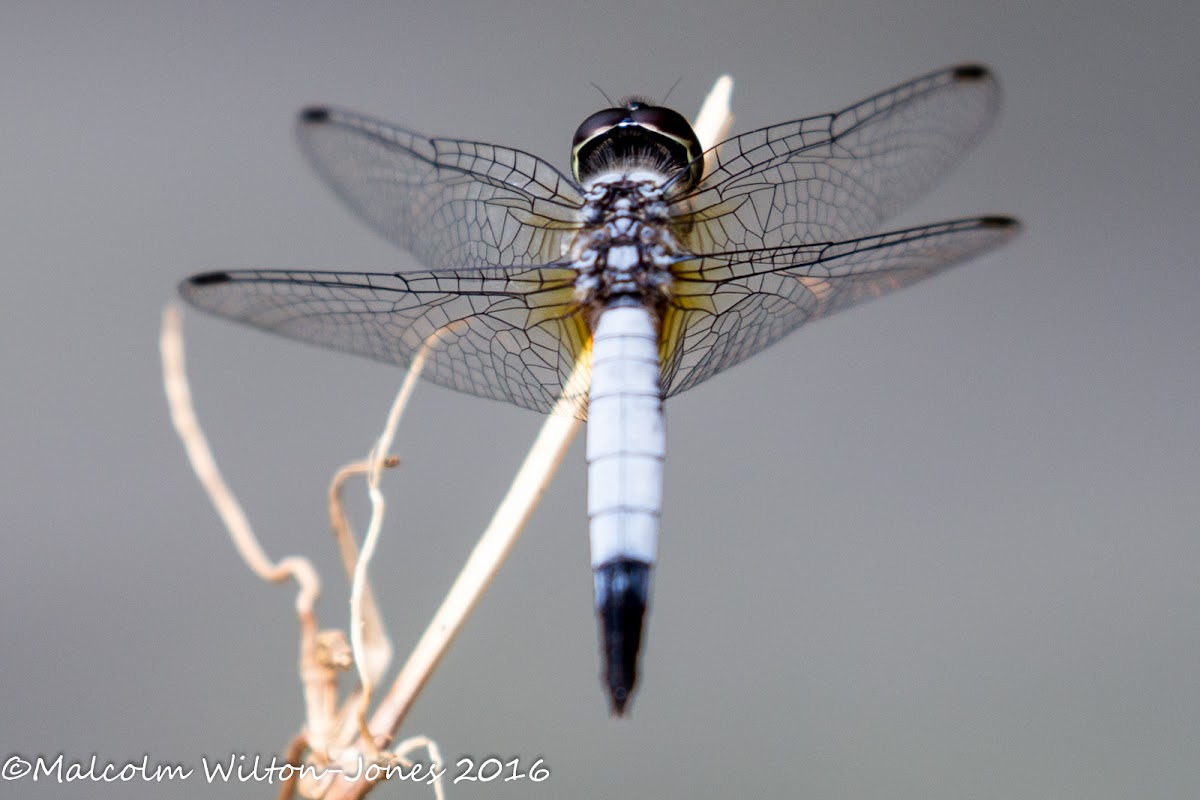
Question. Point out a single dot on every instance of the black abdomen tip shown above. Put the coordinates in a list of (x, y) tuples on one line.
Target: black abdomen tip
[(999, 222), (971, 72), (622, 594), (314, 114)]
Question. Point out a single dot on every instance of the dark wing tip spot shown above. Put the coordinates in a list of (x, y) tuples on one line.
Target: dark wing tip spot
[(208, 279), (314, 114), (971, 72), (999, 222)]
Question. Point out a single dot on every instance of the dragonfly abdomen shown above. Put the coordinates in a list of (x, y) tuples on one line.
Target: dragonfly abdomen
[(626, 444)]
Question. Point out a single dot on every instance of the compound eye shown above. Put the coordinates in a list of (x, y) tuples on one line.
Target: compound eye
[(664, 120), (673, 126), (597, 124)]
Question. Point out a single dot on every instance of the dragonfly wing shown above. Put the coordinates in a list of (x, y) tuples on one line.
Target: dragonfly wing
[(838, 176), (506, 333), (450, 203), (726, 308)]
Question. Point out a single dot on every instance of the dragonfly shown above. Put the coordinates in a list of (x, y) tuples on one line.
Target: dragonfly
[(661, 262)]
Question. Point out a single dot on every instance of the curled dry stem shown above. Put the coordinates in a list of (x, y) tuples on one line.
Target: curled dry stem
[(376, 655), (362, 605), (319, 682)]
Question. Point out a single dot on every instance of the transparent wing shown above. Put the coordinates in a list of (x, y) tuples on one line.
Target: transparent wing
[(727, 307), (838, 176), (507, 333), (450, 203)]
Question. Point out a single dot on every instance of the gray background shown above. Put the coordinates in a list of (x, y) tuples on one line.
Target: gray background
[(943, 546)]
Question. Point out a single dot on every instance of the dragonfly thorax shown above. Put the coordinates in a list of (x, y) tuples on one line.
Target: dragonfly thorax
[(626, 247)]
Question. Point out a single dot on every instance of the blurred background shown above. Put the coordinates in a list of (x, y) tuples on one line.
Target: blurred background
[(942, 546)]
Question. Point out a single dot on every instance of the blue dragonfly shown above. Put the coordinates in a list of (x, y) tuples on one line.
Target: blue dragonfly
[(662, 263)]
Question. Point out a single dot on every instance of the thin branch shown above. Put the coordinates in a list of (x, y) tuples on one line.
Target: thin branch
[(319, 679), (493, 547), (402, 750), (484, 562), (358, 587), (295, 757), (338, 521), (377, 646), (183, 416), (715, 118)]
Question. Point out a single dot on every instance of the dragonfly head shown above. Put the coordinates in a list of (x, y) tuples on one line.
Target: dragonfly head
[(637, 134)]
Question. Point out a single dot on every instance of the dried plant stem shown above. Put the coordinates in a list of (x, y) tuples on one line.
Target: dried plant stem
[(377, 646), (493, 547), (435, 757), (715, 117), (295, 757), (319, 679), (359, 589), (183, 416), (484, 562)]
